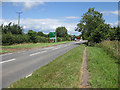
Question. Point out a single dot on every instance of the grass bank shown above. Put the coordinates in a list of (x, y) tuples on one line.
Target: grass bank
[(111, 48), (63, 72), (103, 69), (18, 47)]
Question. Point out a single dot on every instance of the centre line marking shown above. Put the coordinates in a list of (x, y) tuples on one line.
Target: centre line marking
[(8, 60), (56, 48), (48, 48), (37, 53)]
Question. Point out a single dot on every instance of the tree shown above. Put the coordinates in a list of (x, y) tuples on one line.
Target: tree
[(117, 34), (61, 32), (89, 25), (100, 33), (33, 36), (40, 33), (14, 29)]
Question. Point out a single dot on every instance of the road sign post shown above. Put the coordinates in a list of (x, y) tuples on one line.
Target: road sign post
[(53, 37)]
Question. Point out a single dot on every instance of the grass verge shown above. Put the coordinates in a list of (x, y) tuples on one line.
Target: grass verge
[(5, 51), (63, 72), (19, 47), (103, 69), (111, 48)]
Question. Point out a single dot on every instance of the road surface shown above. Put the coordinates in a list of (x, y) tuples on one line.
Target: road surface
[(22, 64)]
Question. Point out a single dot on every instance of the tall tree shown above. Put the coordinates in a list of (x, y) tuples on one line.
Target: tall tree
[(61, 32), (89, 24)]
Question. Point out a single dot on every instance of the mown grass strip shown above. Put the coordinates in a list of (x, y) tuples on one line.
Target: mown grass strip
[(21, 47), (63, 72), (4, 51), (103, 70), (33, 45)]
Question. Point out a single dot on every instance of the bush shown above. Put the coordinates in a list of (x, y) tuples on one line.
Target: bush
[(63, 39), (58, 39), (7, 39), (20, 39), (42, 39)]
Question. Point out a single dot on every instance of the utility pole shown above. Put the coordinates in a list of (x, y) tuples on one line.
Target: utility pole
[(19, 17)]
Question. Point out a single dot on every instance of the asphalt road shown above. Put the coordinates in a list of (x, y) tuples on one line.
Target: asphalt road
[(22, 64)]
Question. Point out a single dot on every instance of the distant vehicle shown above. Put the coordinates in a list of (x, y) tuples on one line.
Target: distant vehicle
[(75, 39), (81, 39)]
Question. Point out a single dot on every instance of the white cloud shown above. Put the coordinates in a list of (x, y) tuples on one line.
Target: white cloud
[(47, 25), (115, 23), (115, 12), (111, 12), (70, 17), (28, 5), (44, 25)]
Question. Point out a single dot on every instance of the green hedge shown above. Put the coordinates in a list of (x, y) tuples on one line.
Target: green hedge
[(63, 39), (9, 39)]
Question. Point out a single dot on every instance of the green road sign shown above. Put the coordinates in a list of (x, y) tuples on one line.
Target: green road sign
[(53, 36)]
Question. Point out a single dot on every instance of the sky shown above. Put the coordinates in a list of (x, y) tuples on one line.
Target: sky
[(47, 16)]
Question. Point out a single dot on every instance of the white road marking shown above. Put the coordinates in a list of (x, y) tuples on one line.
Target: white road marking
[(48, 48), (21, 52), (65, 46), (37, 53), (55, 48), (8, 60), (43, 51), (28, 75)]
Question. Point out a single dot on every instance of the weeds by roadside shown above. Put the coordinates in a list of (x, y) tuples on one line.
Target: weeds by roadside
[(111, 48), (103, 69)]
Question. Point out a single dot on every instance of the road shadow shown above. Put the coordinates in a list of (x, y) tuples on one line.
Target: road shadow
[(77, 43)]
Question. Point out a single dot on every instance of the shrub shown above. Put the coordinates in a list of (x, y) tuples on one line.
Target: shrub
[(58, 39), (42, 39), (7, 39)]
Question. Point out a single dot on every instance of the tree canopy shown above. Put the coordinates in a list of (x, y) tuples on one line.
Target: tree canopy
[(61, 32), (14, 29), (93, 27), (13, 34)]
